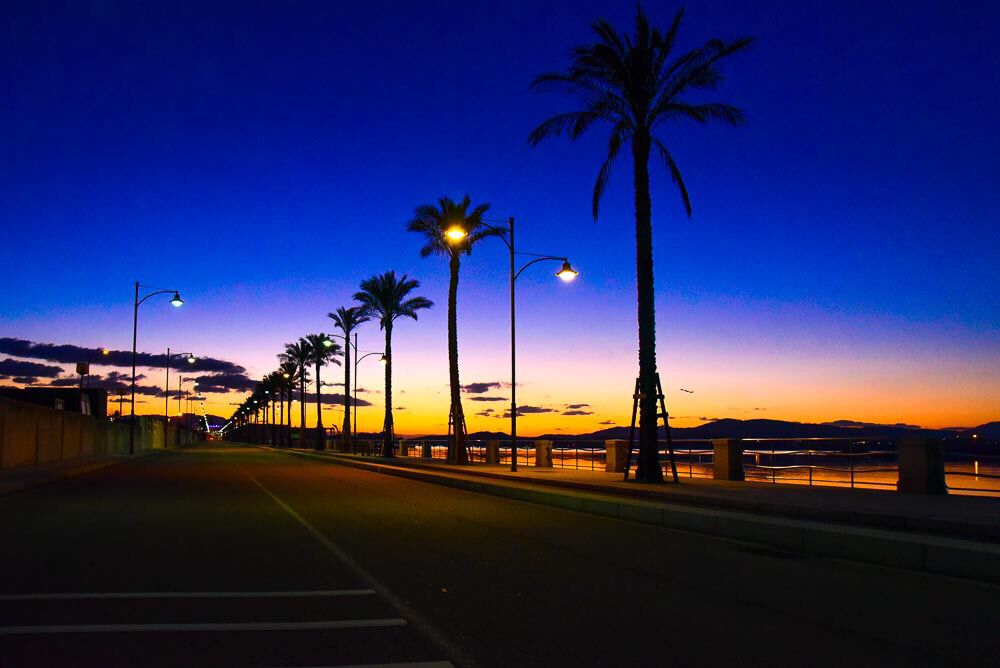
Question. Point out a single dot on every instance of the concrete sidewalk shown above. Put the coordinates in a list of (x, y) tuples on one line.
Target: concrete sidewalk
[(28, 477), (946, 535)]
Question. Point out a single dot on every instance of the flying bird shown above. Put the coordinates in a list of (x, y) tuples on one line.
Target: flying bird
[(688, 391)]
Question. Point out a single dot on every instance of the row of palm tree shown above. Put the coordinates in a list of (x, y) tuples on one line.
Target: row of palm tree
[(383, 297), (638, 85)]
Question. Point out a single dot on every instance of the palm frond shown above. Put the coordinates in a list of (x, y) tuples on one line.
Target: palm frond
[(675, 173), (604, 175)]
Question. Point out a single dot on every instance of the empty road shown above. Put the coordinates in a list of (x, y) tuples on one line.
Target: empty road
[(223, 555)]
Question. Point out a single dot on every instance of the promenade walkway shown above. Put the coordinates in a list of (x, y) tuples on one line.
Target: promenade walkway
[(955, 516), (953, 535)]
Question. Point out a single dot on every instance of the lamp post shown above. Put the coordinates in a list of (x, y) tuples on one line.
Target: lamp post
[(180, 388), (177, 302), (191, 359), (456, 234), (357, 360)]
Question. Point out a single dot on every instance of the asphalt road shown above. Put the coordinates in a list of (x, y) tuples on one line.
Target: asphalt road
[(235, 556)]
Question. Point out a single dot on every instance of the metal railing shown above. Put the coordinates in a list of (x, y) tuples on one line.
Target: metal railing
[(839, 462)]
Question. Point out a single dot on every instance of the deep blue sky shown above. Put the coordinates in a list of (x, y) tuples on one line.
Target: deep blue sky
[(277, 148)]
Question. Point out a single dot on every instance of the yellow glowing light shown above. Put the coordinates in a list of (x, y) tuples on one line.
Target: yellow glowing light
[(456, 233), (567, 273), (105, 352)]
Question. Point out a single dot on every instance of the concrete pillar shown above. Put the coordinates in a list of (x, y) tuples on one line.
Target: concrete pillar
[(543, 454), (404, 448), (617, 450), (921, 466), (426, 450), (492, 452), (728, 458)]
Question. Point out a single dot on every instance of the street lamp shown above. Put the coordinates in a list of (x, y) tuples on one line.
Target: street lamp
[(456, 234), (180, 388), (191, 359), (357, 360), (177, 302)]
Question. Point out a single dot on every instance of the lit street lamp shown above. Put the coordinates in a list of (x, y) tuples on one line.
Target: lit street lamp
[(177, 302), (357, 360), (191, 359), (456, 234), (180, 389)]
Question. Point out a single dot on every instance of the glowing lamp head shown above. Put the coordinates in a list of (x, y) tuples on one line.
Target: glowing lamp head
[(105, 352), (383, 359), (567, 273), (286, 375), (192, 359), (327, 343), (177, 301), (455, 233)]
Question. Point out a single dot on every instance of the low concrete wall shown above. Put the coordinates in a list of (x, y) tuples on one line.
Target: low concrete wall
[(32, 435)]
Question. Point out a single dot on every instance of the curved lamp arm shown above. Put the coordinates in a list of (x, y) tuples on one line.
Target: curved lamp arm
[(539, 259)]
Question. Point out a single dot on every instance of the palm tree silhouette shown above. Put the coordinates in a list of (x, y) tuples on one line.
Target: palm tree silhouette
[(322, 349), (637, 85), (386, 298), (433, 222), (347, 320), (298, 354), (289, 376)]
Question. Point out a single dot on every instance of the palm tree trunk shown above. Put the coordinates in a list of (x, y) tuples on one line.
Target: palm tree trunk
[(457, 452), (648, 469), (387, 425), (320, 436), (302, 407), (347, 437)]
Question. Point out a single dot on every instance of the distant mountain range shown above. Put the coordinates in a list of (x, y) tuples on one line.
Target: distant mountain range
[(733, 428)]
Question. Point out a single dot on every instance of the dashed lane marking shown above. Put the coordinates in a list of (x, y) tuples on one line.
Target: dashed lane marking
[(245, 626), (185, 594)]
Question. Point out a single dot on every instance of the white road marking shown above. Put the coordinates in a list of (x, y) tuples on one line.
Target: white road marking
[(436, 636), (225, 626), (185, 594), (417, 664)]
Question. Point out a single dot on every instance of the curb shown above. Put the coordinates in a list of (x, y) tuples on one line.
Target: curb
[(47, 477), (884, 547)]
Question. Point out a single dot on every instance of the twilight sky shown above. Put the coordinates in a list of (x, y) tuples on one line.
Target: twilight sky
[(842, 261)]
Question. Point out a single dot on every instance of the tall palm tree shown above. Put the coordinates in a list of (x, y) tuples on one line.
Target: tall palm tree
[(637, 85), (298, 354), (347, 320), (289, 375), (386, 298), (433, 222), (269, 388), (322, 349)]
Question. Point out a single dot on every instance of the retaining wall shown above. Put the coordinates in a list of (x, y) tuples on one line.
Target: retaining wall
[(32, 435)]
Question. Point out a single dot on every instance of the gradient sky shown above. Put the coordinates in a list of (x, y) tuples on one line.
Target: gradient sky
[(842, 262)]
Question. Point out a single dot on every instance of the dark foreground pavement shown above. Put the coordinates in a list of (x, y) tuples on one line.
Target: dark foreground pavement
[(337, 566)]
